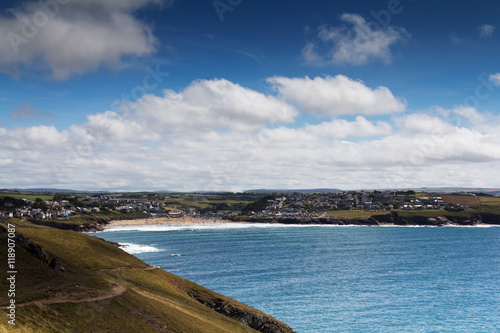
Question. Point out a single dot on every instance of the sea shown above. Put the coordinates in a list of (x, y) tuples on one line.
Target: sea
[(337, 278)]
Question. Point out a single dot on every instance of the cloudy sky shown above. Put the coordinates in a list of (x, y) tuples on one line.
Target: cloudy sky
[(242, 94)]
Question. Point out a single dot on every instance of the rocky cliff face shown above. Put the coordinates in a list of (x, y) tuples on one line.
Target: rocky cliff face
[(396, 219), (256, 320)]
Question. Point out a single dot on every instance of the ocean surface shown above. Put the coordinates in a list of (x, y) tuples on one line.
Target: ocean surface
[(338, 279)]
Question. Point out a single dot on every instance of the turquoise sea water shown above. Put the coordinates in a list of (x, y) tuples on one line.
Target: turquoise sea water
[(338, 279)]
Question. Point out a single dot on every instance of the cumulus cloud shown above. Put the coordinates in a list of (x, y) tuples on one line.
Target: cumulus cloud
[(469, 113), (67, 38), (27, 111), (32, 138), (218, 135), (486, 30), (421, 123), (213, 104), (354, 43), (338, 95), (335, 129), (495, 78)]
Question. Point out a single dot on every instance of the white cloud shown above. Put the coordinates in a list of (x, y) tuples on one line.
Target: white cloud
[(213, 104), (32, 138), (495, 78), (218, 135), (356, 43), (470, 114), (338, 95), (486, 30), (462, 115), (335, 129), (111, 125), (70, 38), (424, 124)]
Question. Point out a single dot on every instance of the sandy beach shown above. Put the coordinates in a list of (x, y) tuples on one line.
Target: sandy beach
[(166, 220)]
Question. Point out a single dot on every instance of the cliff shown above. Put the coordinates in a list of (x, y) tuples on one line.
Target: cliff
[(394, 218)]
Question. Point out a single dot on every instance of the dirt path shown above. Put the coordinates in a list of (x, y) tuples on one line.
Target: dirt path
[(147, 268), (116, 291)]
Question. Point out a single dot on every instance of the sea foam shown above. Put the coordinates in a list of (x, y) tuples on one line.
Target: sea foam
[(137, 248)]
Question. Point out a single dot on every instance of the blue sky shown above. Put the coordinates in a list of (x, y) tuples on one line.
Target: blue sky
[(232, 95)]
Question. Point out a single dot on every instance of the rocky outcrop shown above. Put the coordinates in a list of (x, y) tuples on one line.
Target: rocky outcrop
[(393, 218), (56, 265), (490, 218), (444, 220), (96, 225), (256, 320), (34, 249)]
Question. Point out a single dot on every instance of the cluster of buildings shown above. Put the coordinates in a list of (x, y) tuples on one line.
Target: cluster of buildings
[(65, 208), (281, 205), (52, 210), (297, 205)]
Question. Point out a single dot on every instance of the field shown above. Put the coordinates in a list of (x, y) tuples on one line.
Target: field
[(208, 201), (352, 214), (26, 196), (460, 199), (489, 205)]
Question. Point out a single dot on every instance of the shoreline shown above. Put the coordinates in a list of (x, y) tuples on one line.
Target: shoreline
[(196, 221), (167, 221)]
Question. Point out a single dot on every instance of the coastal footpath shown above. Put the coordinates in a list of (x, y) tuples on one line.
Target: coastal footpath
[(65, 281)]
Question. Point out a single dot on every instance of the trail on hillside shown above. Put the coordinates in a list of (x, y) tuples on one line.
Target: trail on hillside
[(116, 291), (147, 268)]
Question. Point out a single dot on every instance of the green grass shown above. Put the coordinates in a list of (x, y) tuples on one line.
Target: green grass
[(26, 196), (83, 219), (489, 205), (350, 215), (154, 300), (434, 213)]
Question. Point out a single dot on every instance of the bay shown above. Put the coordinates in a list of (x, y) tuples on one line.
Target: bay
[(338, 279)]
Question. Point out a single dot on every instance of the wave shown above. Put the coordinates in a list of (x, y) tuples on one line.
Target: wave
[(138, 248), (222, 226), (209, 226)]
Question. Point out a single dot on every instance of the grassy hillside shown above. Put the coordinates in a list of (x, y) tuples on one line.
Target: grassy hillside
[(104, 289), (26, 196)]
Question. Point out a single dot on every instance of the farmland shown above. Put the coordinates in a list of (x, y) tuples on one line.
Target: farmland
[(26, 196), (460, 199)]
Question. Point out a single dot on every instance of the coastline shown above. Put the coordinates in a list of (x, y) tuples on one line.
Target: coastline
[(167, 221), (196, 221)]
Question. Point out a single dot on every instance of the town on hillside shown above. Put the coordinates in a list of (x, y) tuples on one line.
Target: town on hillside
[(238, 206)]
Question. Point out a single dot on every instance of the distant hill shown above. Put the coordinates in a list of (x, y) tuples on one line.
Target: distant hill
[(318, 190), (43, 190), (492, 191), (443, 189)]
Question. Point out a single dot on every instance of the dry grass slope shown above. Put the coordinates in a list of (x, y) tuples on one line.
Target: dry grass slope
[(104, 289)]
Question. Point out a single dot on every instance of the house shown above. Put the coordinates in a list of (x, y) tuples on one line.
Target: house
[(174, 214), (6, 215)]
